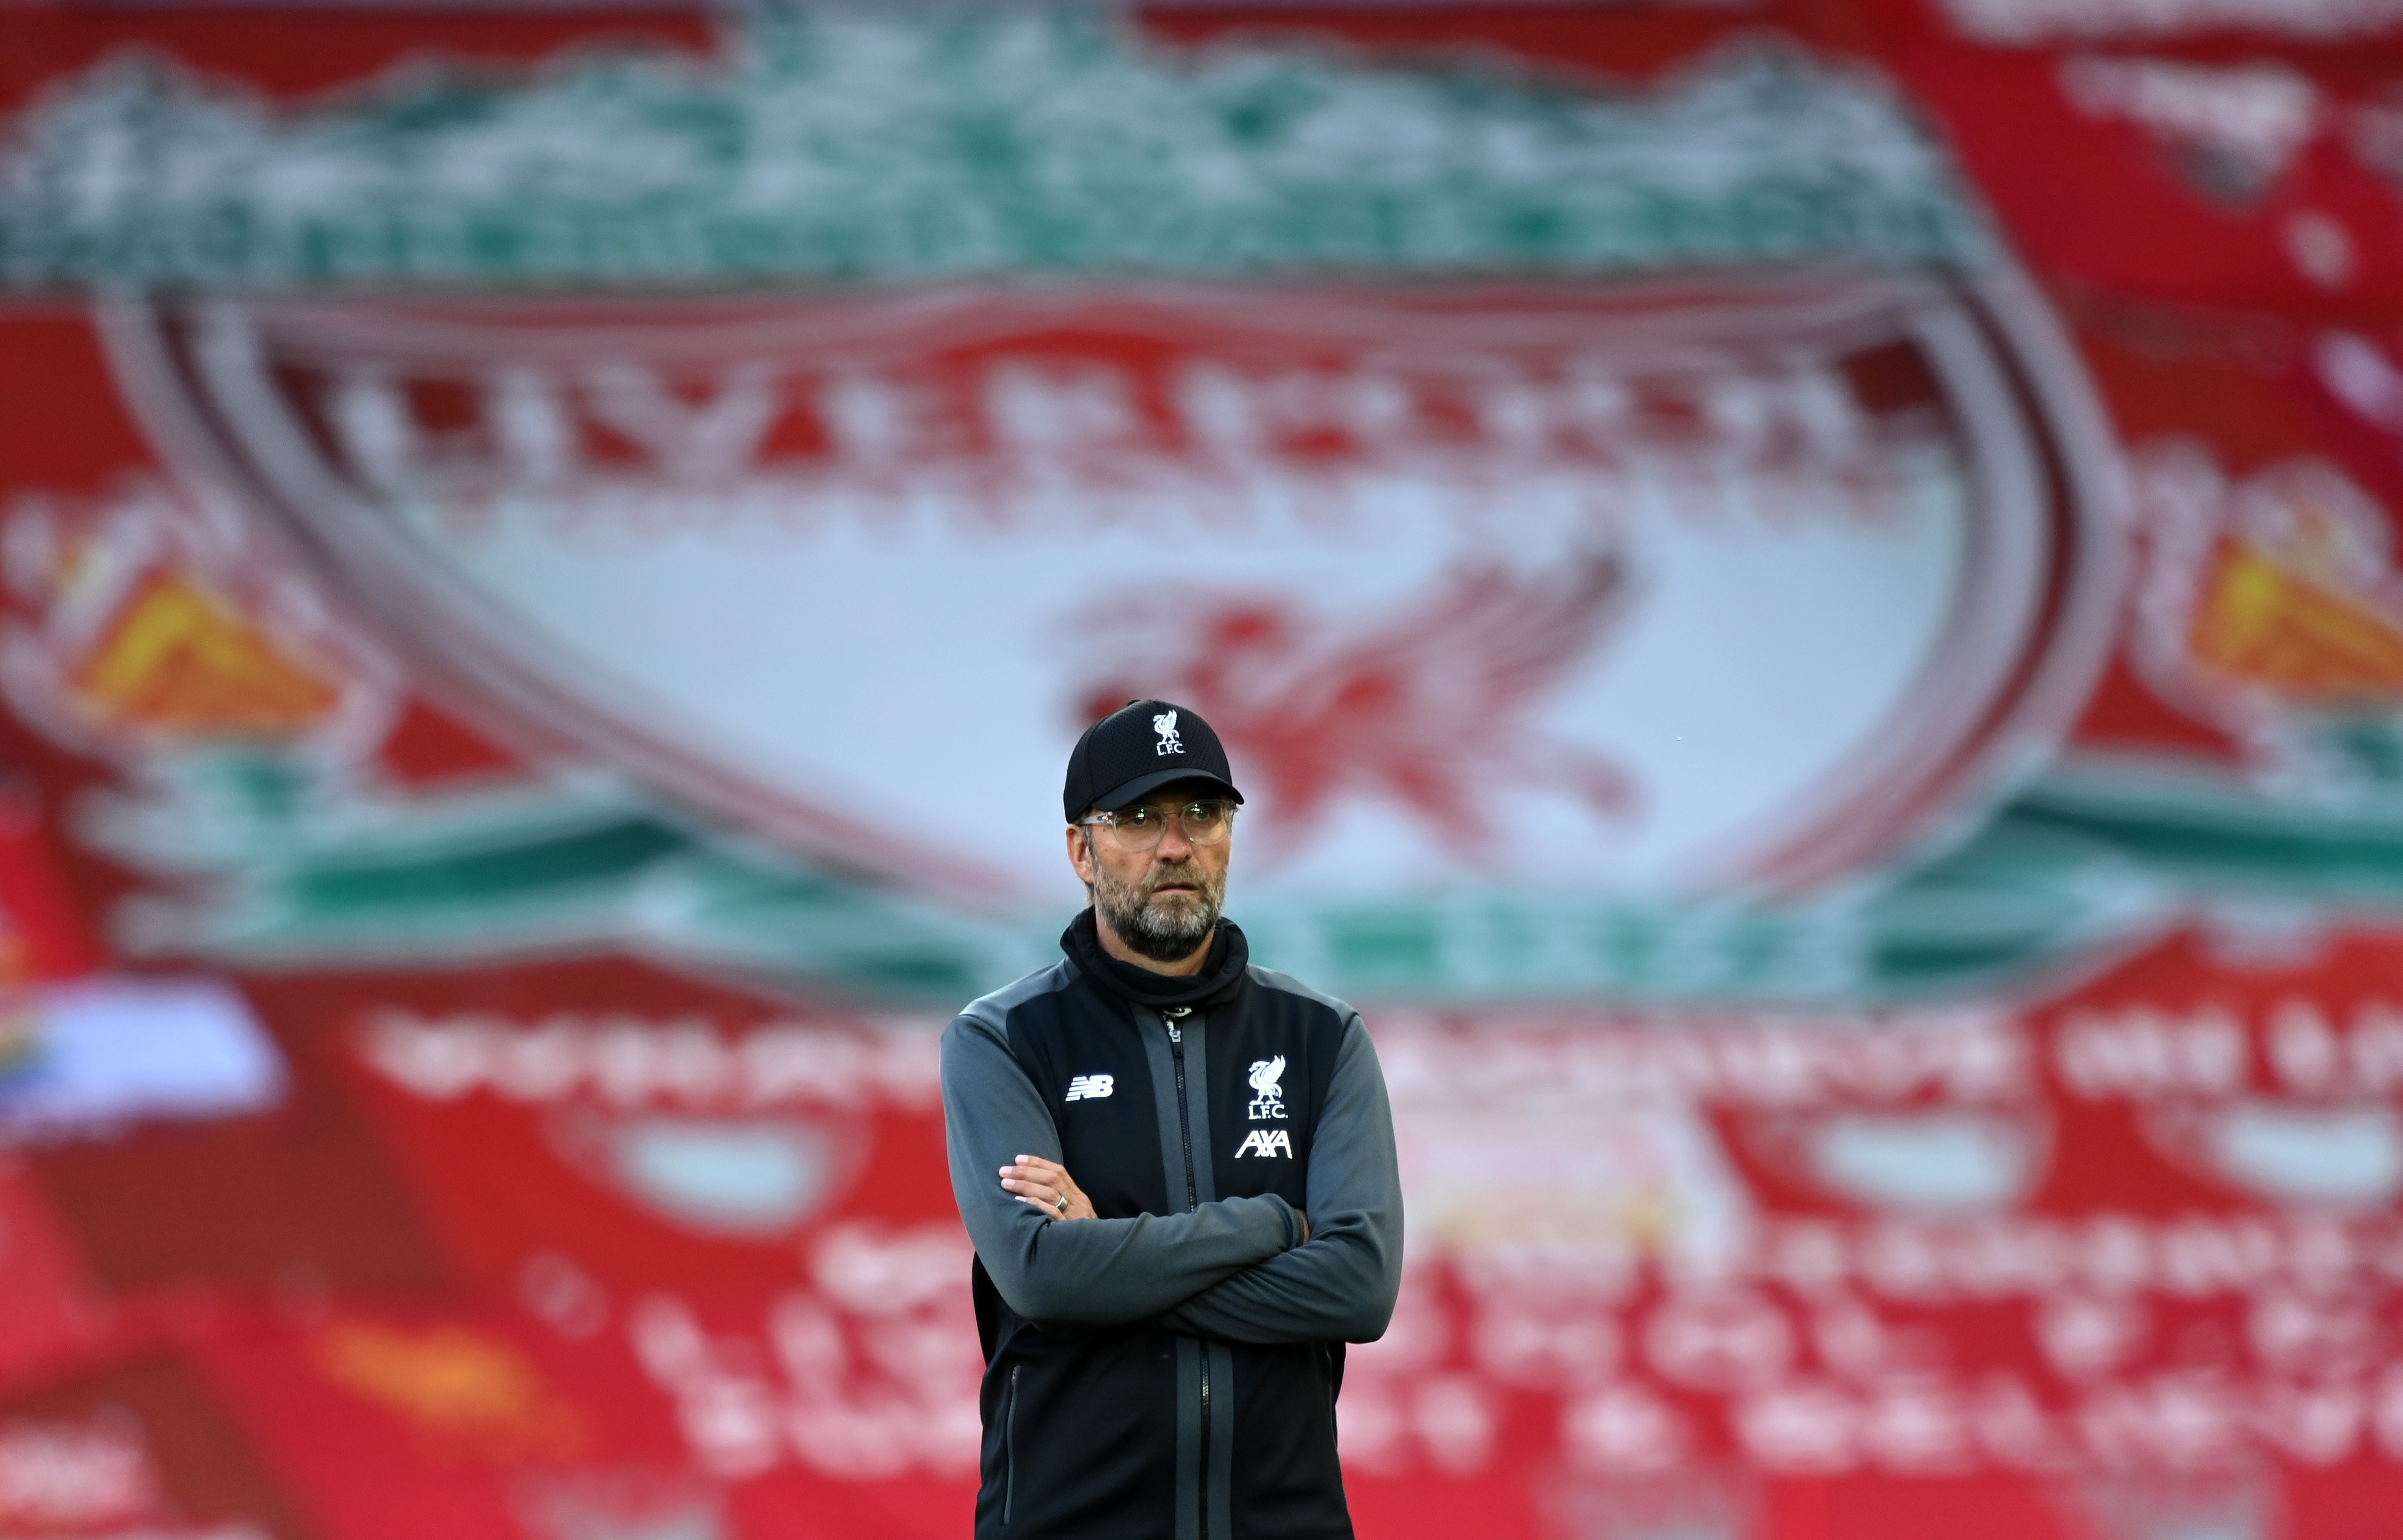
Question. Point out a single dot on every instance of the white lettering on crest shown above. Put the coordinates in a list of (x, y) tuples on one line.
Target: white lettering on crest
[(714, 442), (1022, 438)]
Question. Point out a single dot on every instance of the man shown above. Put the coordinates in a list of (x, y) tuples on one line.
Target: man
[(1178, 1172)]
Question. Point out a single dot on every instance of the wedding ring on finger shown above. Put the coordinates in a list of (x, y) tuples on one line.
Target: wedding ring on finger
[(1060, 1203)]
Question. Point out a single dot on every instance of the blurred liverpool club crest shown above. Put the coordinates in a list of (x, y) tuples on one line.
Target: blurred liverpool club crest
[(1619, 587), (1556, 497)]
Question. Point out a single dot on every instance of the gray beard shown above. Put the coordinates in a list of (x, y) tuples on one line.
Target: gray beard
[(1163, 933)]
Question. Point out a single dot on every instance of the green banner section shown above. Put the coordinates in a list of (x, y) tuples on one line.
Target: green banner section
[(279, 871), (905, 150)]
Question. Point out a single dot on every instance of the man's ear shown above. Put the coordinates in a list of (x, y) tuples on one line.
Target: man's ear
[(1080, 852)]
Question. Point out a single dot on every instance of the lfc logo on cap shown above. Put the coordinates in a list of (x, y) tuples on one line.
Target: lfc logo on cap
[(1165, 725)]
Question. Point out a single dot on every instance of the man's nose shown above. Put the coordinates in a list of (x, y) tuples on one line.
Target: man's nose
[(1173, 846)]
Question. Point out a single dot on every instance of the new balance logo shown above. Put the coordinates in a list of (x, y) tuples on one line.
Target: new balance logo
[(1262, 1141), (1090, 1088)]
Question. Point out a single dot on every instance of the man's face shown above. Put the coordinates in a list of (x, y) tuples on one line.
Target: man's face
[(1163, 902)]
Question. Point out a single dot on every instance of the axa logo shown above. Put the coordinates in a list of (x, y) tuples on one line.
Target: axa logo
[(1268, 1097), (1090, 1088), (1165, 725), (1266, 1142)]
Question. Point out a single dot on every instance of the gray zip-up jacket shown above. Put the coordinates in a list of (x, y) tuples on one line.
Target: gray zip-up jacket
[(1170, 1367)]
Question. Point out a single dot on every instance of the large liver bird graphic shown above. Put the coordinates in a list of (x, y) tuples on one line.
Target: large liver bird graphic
[(1430, 705)]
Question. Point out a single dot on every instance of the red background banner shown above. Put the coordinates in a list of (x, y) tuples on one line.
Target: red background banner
[(417, 1118)]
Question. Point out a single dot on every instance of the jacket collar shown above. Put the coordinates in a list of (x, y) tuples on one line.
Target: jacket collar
[(1230, 955)]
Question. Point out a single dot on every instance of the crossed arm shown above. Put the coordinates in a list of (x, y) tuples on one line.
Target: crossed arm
[(1244, 1269)]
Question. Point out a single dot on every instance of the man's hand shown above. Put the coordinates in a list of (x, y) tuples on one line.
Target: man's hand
[(1043, 1183), (1047, 1186)]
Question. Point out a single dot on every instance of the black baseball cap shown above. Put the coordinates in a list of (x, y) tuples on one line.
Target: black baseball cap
[(1138, 748)]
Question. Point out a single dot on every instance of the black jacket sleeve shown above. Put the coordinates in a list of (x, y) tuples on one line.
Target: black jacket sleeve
[(1343, 1283), (1083, 1271)]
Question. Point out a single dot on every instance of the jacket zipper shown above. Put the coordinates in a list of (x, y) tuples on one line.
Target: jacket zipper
[(1206, 1441), (1184, 1119), (1192, 1201), (1010, 1446)]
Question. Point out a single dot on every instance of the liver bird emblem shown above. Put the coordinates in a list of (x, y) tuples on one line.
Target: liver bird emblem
[(1429, 705), (1267, 1098)]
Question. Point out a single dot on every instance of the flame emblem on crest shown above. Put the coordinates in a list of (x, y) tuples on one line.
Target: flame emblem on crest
[(146, 623), (2271, 605)]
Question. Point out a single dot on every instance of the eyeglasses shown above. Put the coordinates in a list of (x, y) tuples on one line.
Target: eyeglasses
[(1206, 822)]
